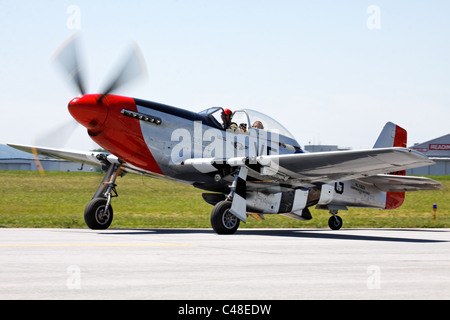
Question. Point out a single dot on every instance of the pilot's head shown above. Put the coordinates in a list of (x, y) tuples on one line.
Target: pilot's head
[(226, 115)]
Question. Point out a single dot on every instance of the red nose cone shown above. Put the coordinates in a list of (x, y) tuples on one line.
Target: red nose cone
[(89, 110)]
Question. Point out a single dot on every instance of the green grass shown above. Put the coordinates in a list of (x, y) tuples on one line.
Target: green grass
[(58, 200)]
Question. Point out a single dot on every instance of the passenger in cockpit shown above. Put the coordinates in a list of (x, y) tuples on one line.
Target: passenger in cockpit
[(243, 127), (258, 125)]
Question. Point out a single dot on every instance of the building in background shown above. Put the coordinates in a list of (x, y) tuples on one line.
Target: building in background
[(437, 150), (12, 159)]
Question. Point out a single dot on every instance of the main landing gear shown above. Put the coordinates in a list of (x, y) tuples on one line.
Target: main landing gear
[(227, 215), (222, 220), (98, 214)]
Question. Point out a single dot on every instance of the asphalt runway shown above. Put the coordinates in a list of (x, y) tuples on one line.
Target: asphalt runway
[(199, 264)]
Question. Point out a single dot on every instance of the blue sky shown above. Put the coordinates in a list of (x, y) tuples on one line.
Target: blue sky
[(325, 69)]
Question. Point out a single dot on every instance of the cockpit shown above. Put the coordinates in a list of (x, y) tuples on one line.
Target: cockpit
[(244, 120)]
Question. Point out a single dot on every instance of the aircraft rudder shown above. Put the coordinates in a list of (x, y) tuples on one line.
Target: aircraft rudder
[(392, 135), (394, 200)]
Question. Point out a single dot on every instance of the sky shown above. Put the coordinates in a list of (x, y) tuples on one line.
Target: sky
[(332, 72)]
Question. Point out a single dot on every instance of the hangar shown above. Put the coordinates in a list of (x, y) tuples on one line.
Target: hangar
[(437, 150), (12, 159)]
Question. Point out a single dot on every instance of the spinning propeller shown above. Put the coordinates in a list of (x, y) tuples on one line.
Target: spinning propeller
[(132, 67), (88, 106)]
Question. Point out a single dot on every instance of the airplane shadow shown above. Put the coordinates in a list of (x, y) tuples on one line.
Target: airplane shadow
[(292, 233)]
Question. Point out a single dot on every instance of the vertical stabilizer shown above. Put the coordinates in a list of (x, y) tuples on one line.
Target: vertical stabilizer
[(393, 135)]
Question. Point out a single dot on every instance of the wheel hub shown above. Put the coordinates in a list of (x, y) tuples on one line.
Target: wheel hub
[(229, 220), (101, 216)]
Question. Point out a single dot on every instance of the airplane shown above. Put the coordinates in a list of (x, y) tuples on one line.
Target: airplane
[(247, 163)]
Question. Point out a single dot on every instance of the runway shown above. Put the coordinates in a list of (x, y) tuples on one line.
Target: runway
[(255, 264)]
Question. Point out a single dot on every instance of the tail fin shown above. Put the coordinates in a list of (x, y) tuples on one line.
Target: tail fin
[(393, 135)]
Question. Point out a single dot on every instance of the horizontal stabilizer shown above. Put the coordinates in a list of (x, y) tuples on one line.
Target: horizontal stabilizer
[(395, 183)]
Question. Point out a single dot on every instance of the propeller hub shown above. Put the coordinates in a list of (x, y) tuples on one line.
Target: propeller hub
[(89, 110)]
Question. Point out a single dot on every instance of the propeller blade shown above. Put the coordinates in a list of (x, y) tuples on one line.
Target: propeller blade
[(132, 68), (58, 137), (55, 138), (68, 58), (38, 163)]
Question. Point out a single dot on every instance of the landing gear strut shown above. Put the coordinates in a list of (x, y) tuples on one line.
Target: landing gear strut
[(335, 222), (227, 215), (98, 214)]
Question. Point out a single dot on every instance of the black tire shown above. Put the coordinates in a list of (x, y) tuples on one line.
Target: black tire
[(94, 215), (335, 222), (222, 220)]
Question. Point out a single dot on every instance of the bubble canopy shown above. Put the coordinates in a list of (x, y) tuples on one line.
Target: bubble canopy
[(249, 118)]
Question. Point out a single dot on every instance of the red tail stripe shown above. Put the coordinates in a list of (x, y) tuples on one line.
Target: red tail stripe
[(395, 199), (401, 137)]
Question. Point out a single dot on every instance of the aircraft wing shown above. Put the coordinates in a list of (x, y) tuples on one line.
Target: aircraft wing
[(329, 167), (394, 183), (87, 157), (71, 155)]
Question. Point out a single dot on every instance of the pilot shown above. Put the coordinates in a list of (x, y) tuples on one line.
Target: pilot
[(258, 125), (226, 118), (243, 127)]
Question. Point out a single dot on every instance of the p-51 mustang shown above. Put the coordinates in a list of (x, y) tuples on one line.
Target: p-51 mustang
[(248, 163)]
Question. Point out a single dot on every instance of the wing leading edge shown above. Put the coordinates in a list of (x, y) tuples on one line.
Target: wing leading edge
[(71, 155), (87, 157)]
